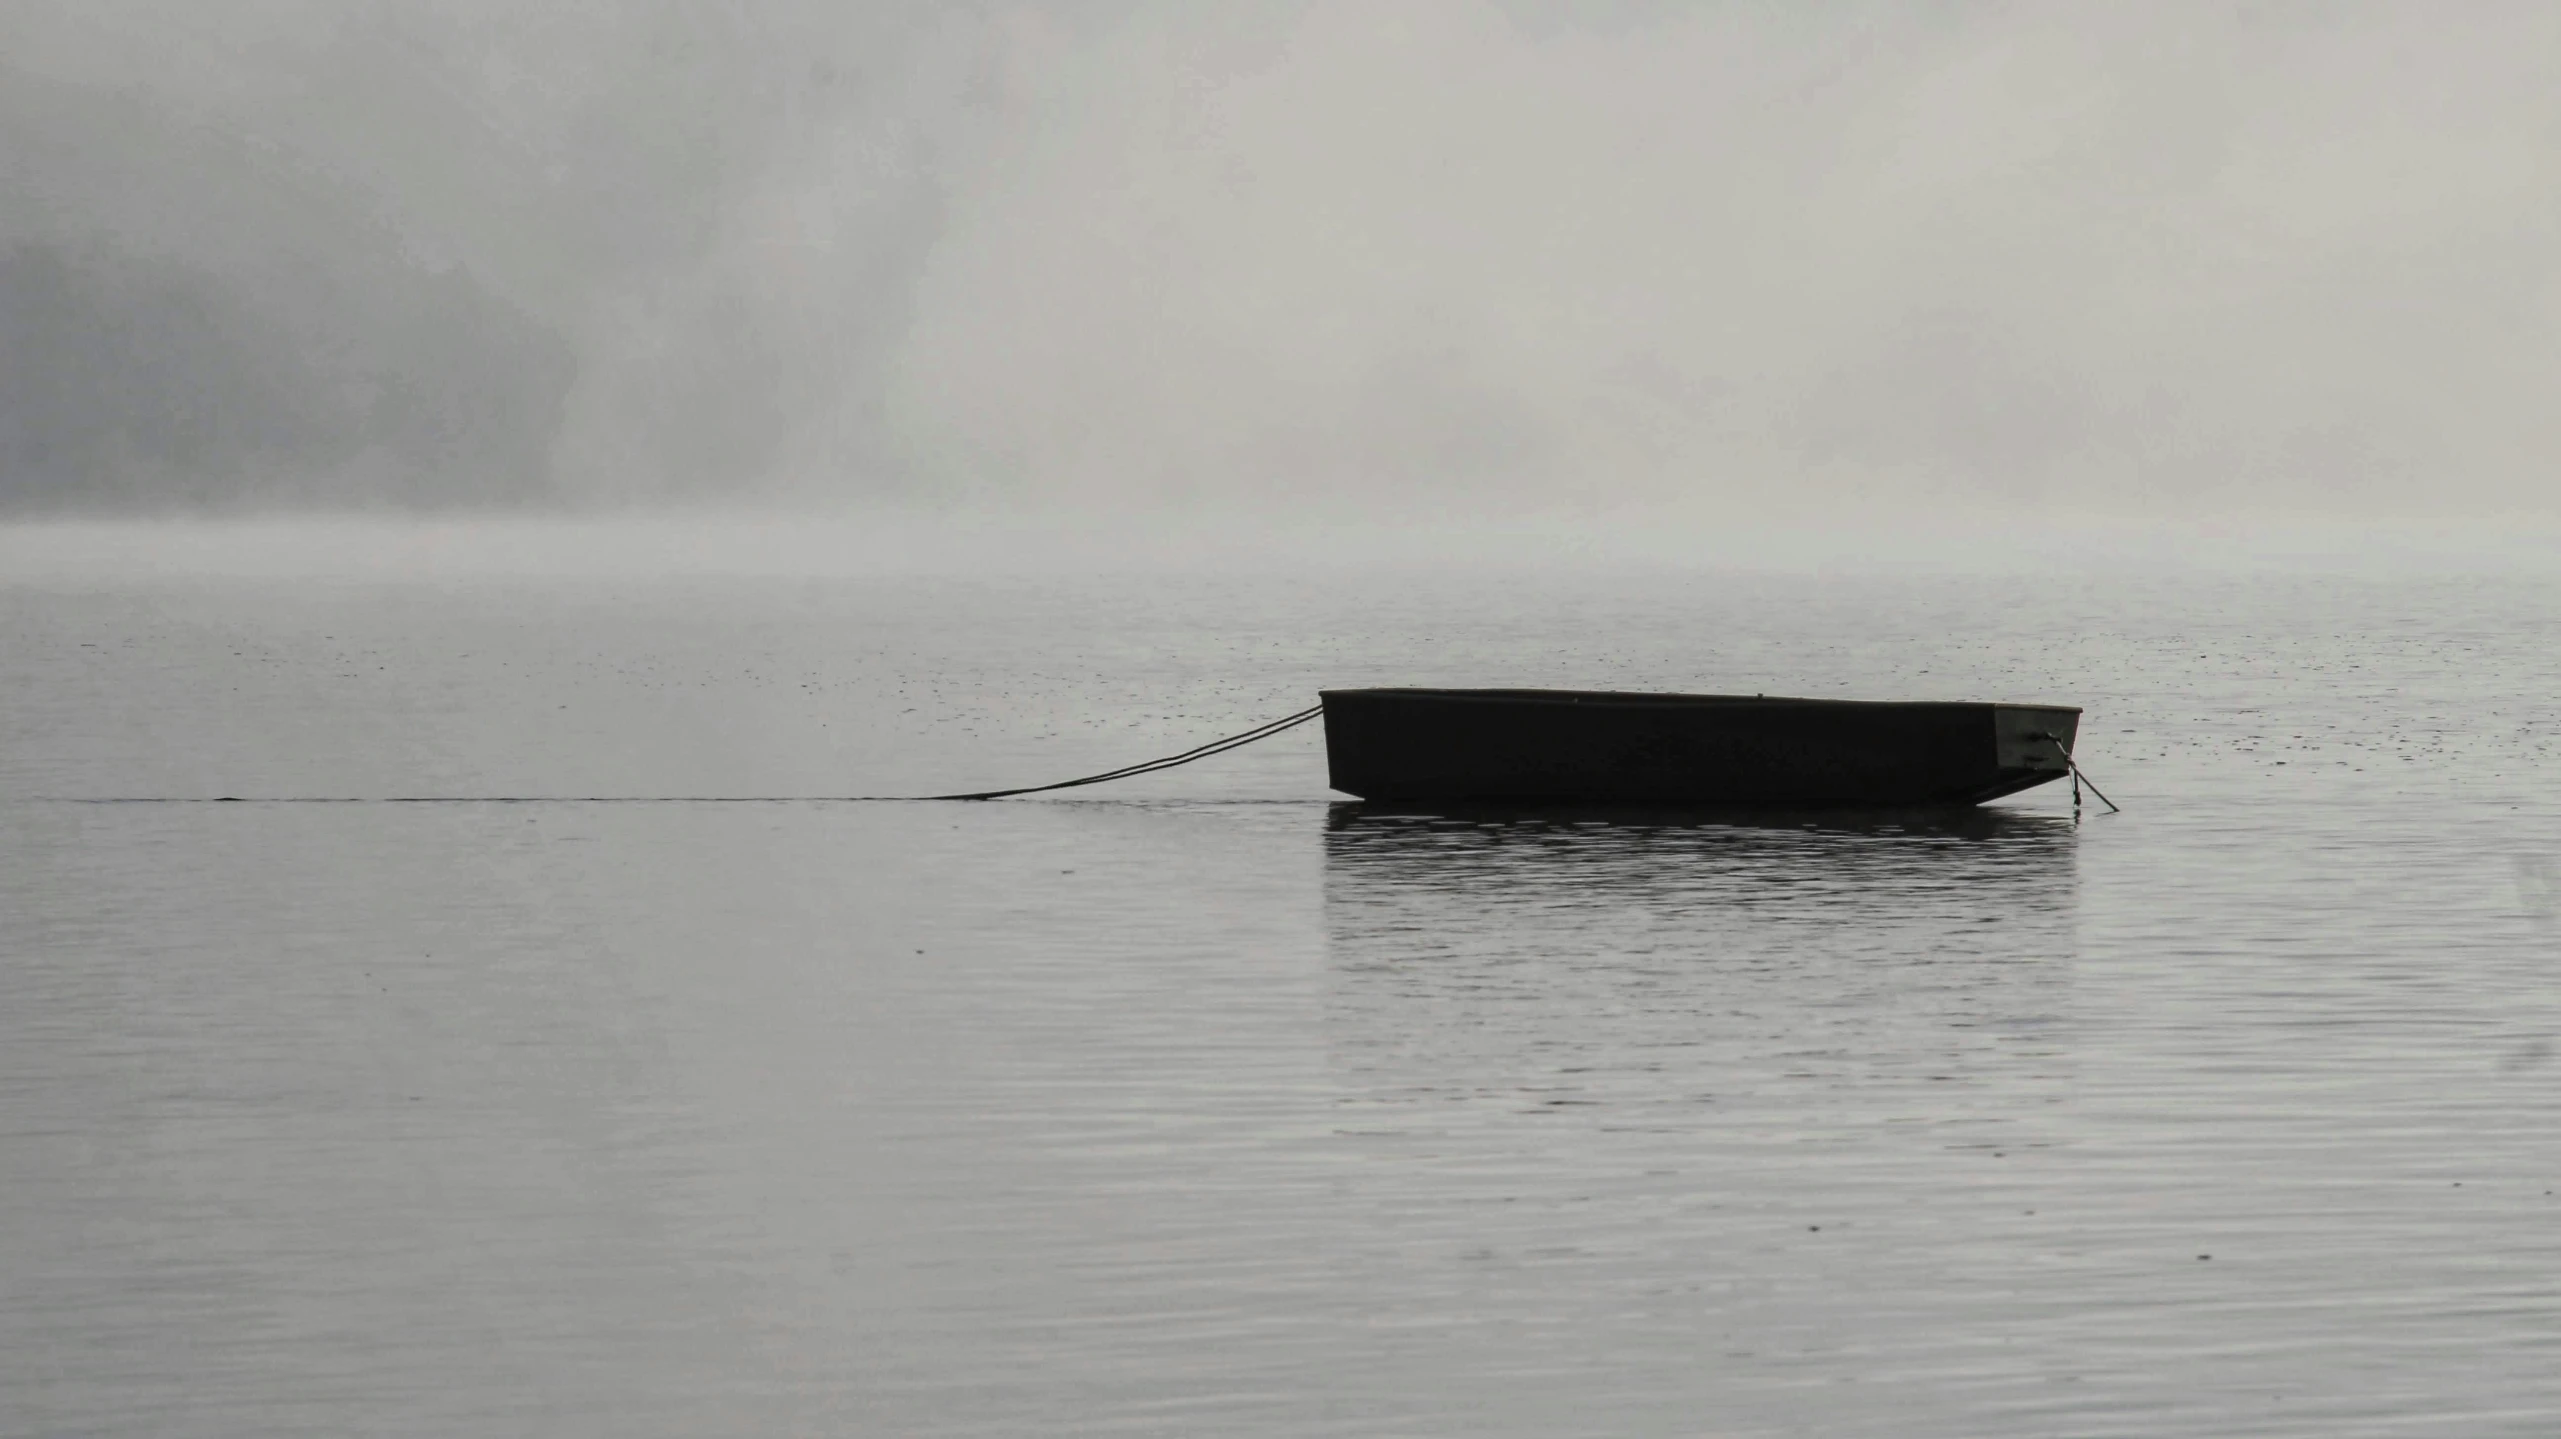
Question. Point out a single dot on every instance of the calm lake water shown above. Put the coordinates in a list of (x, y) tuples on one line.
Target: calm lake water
[(1202, 1105)]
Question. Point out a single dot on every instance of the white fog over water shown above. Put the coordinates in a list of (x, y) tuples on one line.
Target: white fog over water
[(1433, 257)]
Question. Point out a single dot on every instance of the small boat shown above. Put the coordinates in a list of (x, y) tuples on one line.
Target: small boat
[(1603, 747)]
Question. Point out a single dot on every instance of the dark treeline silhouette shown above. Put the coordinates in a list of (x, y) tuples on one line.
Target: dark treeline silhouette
[(135, 382)]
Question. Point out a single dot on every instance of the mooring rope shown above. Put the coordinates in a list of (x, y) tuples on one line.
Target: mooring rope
[(1131, 771), (2079, 779)]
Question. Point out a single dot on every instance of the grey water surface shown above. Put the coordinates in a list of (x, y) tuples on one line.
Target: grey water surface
[(1207, 1105)]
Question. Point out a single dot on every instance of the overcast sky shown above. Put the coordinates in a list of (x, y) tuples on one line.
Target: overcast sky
[(1390, 256)]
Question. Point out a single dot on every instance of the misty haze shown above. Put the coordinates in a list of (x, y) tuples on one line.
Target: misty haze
[(1332, 717), (1450, 257)]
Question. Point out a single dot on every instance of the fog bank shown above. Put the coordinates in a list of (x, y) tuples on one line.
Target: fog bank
[(1413, 259)]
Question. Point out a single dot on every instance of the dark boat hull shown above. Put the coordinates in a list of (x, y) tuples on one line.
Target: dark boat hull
[(1599, 747)]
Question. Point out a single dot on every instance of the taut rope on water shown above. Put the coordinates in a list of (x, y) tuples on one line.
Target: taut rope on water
[(1197, 752)]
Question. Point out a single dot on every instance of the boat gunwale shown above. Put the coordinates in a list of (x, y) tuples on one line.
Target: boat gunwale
[(1635, 699)]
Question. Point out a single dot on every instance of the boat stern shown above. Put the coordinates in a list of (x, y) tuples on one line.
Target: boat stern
[(2030, 743)]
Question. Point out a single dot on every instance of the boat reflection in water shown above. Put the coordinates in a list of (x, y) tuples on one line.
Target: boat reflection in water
[(1795, 972)]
